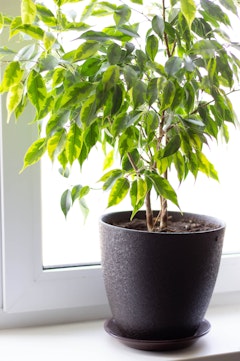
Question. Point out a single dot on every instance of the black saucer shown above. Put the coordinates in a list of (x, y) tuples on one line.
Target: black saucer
[(112, 329)]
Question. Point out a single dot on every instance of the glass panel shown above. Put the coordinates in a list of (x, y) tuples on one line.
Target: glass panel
[(70, 241)]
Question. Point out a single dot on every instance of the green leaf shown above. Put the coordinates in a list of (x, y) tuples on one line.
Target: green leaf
[(158, 25), (76, 93), (188, 9), (110, 177), (96, 36), (173, 65), (111, 77), (172, 146), (179, 164), (14, 98), (12, 75), (37, 92), (168, 95), (57, 122), (34, 152), (139, 93), (229, 5), (66, 202), (79, 192), (152, 46), (88, 111), (86, 50), (152, 91), (73, 143), (140, 2), (28, 11), (205, 47), (33, 31), (122, 14), (46, 15), (118, 192), (213, 10), (163, 187), (114, 53), (91, 135), (91, 66), (130, 76)]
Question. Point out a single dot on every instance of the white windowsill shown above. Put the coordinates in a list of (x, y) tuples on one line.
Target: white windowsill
[(88, 341)]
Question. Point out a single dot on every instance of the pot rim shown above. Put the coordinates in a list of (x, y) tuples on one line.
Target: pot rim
[(107, 217)]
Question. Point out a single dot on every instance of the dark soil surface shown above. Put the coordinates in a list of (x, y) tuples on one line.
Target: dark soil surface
[(184, 225)]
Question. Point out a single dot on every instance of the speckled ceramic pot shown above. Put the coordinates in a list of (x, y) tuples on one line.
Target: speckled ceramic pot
[(159, 285)]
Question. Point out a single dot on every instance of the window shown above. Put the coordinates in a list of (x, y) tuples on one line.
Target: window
[(33, 293)]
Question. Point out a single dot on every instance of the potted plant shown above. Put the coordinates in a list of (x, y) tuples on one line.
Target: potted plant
[(150, 87)]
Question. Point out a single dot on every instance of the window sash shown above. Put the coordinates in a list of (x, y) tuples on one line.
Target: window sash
[(27, 287)]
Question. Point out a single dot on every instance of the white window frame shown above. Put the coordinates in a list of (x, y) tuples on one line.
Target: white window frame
[(29, 294)]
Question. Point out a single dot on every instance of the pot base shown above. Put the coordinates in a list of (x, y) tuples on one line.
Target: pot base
[(113, 330)]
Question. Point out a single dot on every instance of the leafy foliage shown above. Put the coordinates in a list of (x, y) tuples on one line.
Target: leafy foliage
[(150, 86)]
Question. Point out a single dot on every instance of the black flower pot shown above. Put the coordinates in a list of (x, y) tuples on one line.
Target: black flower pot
[(159, 285)]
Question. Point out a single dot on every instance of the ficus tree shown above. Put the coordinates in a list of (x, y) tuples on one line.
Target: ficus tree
[(149, 85)]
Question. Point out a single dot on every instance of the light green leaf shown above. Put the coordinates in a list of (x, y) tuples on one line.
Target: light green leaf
[(136, 204), (205, 47), (33, 31), (79, 192), (230, 5), (188, 8), (37, 92), (108, 161), (86, 50), (66, 202), (48, 40), (6, 51), (163, 187), (158, 25), (12, 75), (34, 152), (1, 22), (110, 177), (118, 192), (88, 111), (56, 144), (73, 143), (137, 1), (28, 11), (213, 10), (122, 15), (142, 189), (14, 98), (152, 46), (206, 167), (75, 93), (173, 65)]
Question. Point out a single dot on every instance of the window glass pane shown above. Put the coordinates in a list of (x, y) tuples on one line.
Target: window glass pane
[(71, 241)]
